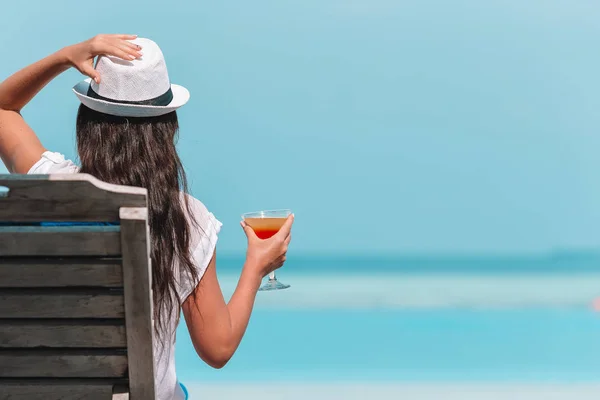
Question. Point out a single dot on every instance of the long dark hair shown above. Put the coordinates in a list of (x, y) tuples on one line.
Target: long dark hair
[(141, 152)]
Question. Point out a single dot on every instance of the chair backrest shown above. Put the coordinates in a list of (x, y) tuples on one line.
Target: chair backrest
[(75, 299)]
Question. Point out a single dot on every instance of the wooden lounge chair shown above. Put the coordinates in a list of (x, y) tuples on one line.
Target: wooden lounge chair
[(75, 299)]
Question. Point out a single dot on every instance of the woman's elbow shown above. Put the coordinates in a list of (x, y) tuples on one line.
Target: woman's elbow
[(218, 363), (218, 356)]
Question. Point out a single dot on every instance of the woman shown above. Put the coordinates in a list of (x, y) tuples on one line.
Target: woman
[(126, 132)]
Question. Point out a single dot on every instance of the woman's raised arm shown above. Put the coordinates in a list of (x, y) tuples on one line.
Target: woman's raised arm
[(20, 148)]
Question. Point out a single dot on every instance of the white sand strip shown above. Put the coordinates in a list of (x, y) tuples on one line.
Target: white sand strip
[(384, 391), (429, 291)]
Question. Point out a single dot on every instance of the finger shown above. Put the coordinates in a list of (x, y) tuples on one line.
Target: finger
[(117, 52), (285, 230), (248, 231), (277, 264), (125, 44), (108, 48), (128, 48), (126, 37), (288, 240), (133, 51), (131, 45), (88, 69)]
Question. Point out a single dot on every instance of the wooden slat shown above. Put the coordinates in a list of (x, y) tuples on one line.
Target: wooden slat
[(61, 389), (137, 277), (121, 392), (46, 303), (63, 363), (63, 333), (60, 272), (60, 241), (65, 197)]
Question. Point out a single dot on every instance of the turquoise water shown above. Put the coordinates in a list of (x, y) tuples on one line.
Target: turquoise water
[(457, 345), (450, 324)]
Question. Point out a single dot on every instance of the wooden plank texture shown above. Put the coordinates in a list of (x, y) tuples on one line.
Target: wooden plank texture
[(137, 277), (62, 333), (65, 197), (63, 389), (60, 241), (60, 272), (63, 363), (121, 392), (45, 303)]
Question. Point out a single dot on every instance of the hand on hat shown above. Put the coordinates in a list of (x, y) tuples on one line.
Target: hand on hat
[(81, 55)]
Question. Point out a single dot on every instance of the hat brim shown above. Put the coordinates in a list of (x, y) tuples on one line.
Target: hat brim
[(180, 97)]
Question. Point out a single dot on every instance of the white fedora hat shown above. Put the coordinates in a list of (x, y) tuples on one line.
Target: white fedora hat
[(138, 88)]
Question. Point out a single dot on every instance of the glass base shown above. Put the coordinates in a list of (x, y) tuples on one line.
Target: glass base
[(273, 284)]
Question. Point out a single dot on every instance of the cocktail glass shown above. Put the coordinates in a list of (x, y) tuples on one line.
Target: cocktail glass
[(266, 224)]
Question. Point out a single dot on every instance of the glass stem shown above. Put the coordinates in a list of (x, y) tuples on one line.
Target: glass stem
[(272, 276)]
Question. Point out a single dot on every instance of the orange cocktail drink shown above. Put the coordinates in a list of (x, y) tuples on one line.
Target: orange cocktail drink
[(265, 227)]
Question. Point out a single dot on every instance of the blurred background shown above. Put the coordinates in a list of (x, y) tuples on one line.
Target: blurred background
[(441, 160)]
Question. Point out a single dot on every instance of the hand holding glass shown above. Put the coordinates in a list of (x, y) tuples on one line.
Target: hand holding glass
[(266, 224)]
